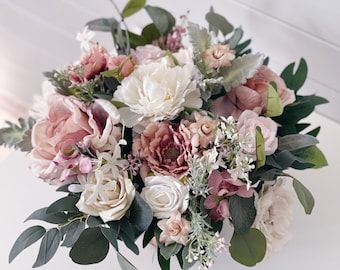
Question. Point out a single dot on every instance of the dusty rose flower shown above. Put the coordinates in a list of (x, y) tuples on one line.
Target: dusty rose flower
[(123, 63), (174, 230), (162, 150), (174, 39), (91, 64), (218, 56), (144, 54), (252, 95), (55, 140), (222, 185), (246, 126)]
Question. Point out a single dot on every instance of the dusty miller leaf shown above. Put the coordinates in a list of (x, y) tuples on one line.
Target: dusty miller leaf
[(199, 38)]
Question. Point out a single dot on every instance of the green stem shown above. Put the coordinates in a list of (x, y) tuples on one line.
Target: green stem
[(72, 220)]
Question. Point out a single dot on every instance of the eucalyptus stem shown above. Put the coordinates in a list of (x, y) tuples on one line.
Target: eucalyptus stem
[(71, 220), (126, 26)]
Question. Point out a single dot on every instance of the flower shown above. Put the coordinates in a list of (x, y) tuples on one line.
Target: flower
[(162, 150), (252, 95), (85, 39), (274, 214), (106, 195), (221, 185), (147, 53), (218, 56), (157, 91), (174, 230), (165, 195), (91, 64), (71, 125), (174, 39), (122, 63), (246, 126)]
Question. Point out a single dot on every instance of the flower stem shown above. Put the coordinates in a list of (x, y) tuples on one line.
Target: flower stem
[(72, 220)]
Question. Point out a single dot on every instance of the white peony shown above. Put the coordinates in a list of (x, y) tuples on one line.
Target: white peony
[(274, 214), (157, 91), (106, 195), (165, 195)]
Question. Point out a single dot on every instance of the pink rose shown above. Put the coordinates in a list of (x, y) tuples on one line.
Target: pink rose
[(252, 95), (143, 54), (246, 126), (123, 63), (174, 230), (71, 125), (162, 149), (222, 185), (218, 56), (91, 64)]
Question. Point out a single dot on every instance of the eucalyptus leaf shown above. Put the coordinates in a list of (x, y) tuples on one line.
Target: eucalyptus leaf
[(111, 234), (26, 239), (163, 263), (162, 19), (260, 149), (199, 37), (151, 33), (242, 212), (218, 23), (288, 159), (67, 204), (103, 24), (48, 247), (295, 80), (242, 69), (141, 214), (73, 233), (249, 248), (129, 242), (150, 233), (132, 7), (124, 263), (304, 195), (94, 221), (312, 155), (296, 141), (91, 247), (274, 103), (56, 218)]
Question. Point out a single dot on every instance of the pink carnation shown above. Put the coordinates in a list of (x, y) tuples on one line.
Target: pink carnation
[(252, 95), (218, 56), (162, 149), (70, 125), (123, 63)]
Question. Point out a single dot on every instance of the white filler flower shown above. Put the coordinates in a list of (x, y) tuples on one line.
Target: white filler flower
[(157, 91)]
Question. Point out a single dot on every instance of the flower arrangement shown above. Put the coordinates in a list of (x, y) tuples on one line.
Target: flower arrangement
[(168, 142)]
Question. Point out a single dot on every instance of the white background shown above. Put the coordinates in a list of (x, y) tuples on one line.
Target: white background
[(38, 35)]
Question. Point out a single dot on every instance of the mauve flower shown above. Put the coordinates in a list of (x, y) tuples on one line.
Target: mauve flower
[(222, 185), (147, 53), (123, 63), (174, 230), (246, 126), (70, 124), (162, 149), (252, 95), (218, 56), (91, 64), (174, 39)]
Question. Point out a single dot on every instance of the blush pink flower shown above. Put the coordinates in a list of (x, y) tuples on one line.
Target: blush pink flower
[(162, 150), (123, 64), (252, 95), (91, 64), (218, 56), (174, 230), (174, 39), (222, 185), (144, 54), (70, 125)]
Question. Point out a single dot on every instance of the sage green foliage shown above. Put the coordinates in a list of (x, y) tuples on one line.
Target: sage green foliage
[(218, 23), (124, 263), (132, 7), (260, 149), (304, 195), (163, 20), (242, 212)]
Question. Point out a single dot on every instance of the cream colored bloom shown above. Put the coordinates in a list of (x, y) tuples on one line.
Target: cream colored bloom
[(165, 195), (106, 195), (157, 91), (274, 214)]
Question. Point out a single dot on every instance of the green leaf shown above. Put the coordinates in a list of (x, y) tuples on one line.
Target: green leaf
[(17, 135), (218, 23), (118, 104), (111, 233), (56, 218), (242, 212), (304, 195), (150, 233), (124, 263), (186, 264), (141, 214), (296, 141), (295, 80), (242, 69), (162, 19), (26, 239), (236, 37), (130, 243), (287, 159), (150, 33), (132, 7), (73, 233), (315, 132), (103, 24), (274, 103), (48, 247), (91, 247), (67, 204), (199, 37), (249, 248), (167, 251), (312, 155), (163, 263), (240, 48), (260, 149), (94, 221)]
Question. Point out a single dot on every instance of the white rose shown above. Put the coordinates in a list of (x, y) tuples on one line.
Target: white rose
[(165, 195), (246, 126), (106, 195), (157, 91), (274, 214)]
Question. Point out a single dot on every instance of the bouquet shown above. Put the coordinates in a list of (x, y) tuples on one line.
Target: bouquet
[(169, 142)]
